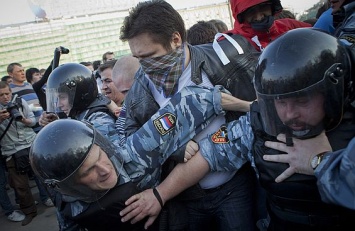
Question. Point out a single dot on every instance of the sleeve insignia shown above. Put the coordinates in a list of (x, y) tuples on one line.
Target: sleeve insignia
[(165, 123), (220, 136)]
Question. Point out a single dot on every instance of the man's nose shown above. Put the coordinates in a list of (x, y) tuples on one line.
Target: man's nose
[(104, 86), (102, 168), (259, 16), (291, 113)]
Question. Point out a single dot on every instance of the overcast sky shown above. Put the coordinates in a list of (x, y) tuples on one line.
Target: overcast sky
[(17, 11)]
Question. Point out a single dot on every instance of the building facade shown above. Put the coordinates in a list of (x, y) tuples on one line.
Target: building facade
[(87, 36)]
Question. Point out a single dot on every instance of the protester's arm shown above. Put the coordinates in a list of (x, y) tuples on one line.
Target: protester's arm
[(182, 176), (231, 103), (37, 86), (299, 155)]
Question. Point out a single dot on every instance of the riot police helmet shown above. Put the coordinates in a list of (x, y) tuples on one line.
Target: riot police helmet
[(61, 148), (71, 88), (299, 64)]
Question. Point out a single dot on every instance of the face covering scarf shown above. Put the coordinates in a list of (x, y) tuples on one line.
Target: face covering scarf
[(164, 71), (264, 24)]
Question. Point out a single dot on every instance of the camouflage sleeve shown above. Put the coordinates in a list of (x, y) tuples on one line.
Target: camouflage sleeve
[(230, 147), (105, 124), (185, 115), (336, 177)]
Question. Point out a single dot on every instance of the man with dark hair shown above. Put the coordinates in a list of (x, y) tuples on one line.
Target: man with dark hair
[(88, 65), (7, 79), (108, 56), (169, 63), (33, 75), (96, 64), (201, 32), (220, 25)]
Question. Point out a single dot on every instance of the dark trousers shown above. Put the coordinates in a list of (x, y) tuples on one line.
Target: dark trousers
[(20, 183), (228, 207)]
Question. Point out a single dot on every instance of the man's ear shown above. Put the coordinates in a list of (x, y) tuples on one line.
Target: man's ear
[(176, 40)]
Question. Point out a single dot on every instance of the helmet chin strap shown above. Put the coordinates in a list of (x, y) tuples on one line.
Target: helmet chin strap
[(289, 141)]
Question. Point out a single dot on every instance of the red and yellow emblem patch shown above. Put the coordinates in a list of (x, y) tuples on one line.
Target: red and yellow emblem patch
[(221, 136)]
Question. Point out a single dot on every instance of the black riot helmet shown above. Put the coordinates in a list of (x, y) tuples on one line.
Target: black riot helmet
[(71, 88), (301, 63), (60, 149)]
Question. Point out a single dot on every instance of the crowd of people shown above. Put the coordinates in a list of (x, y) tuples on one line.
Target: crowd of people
[(200, 128)]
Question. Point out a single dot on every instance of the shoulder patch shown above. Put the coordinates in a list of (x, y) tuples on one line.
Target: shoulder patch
[(221, 136), (165, 123)]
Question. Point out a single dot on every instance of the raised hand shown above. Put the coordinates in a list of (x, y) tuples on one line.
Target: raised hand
[(140, 206), (299, 155)]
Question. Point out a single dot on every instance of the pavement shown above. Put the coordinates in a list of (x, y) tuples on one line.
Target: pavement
[(46, 219)]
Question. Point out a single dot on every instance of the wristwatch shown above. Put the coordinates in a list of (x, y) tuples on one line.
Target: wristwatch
[(315, 161)]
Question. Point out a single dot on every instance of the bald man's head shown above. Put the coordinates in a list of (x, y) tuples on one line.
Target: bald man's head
[(123, 73)]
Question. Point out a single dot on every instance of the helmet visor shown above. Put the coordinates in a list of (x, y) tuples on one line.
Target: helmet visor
[(58, 102), (305, 112), (297, 116), (95, 176)]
